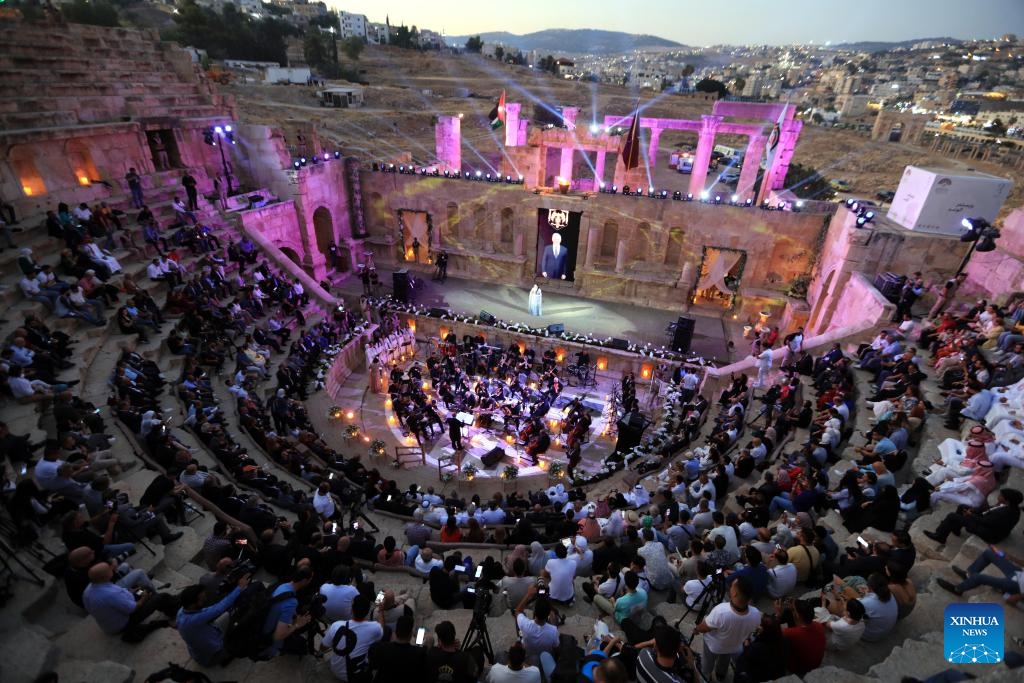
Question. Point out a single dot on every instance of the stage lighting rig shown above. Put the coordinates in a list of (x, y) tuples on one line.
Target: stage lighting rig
[(677, 196)]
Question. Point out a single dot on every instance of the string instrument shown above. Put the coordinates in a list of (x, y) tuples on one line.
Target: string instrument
[(540, 443)]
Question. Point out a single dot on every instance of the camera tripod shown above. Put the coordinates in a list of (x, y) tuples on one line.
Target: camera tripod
[(714, 593), (477, 634)]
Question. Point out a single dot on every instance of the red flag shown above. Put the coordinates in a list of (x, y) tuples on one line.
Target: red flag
[(631, 145), (497, 115)]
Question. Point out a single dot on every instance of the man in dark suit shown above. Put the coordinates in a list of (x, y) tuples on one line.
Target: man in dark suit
[(553, 263), (455, 432), (991, 525)]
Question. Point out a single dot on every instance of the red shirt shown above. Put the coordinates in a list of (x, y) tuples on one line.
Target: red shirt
[(806, 647)]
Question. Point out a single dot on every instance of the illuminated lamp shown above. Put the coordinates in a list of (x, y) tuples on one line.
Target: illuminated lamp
[(436, 173), (337, 155), (782, 206), (602, 363), (488, 176), (704, 195), (391, 167), (520, 179), (615, 189), (766, 205), (559, 355), (967, 223), (401, 169), (423, 170), (677, 196), (689, 196), (861, 222), (594, 129), (227, 128), (388, 404), (735, 198), (646, 370), (718, 199), (350, 415), (799, 203), (855, 207), (27, 190), (467, 175), (316, 159), (296, 164), (302, 161), (443, 332), (412, 325), (219, 130), (392, 420), (600, 186), (869, 216), (750, 202), (446, 174), (327, 156), (83, 180), (664, 194), (650, 191), (850, 203), (479, 174), (508, 179), (625, 190)]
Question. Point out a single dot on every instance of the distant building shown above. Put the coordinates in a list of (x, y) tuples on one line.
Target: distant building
[(353, 25), (850, 106), (379, 33)]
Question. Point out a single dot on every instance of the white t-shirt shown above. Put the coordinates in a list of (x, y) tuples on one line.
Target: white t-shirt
[(843, 634), (536, 637), (562, 573), (323, 504), (367, 633), (500, 673), (782, 580), (339, 601), (730, 628), (732, 544)]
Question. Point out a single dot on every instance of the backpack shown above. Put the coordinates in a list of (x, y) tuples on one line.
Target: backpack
[(356, 667), (244, 636), (816, 575)]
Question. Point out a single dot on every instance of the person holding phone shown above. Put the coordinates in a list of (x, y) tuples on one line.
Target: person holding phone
[(398, 659), (537, 634), (195, 619)]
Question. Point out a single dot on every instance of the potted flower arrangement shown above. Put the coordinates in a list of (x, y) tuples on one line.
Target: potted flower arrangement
[(351, 430), (335, 412), (469, 471), (556, 469), (510, 473), (378, 448)]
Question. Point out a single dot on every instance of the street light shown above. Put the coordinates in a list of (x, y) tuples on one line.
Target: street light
[(982, 236), (217, 135)]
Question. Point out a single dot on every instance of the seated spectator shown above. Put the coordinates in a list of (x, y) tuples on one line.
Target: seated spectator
[(782, 574), (349, 641), (990, 524), (517, 670), (537, 635), (119, 611), (805, 637), (1009, 583), (398, 659), (195, 619), (880, 609), (457, 665), (843, 630)]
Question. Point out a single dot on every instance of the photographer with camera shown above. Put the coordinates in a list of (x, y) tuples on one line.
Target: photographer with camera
[(195, 619), (537, 634)]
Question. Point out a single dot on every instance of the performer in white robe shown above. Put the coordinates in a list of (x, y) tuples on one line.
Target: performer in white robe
[(534, 302)]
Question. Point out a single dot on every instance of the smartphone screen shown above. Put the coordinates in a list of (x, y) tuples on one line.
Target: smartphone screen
[(479, 571), (334, 528), (331, 475), (420, 635), (380, 597), (860, 539), (567, 542)]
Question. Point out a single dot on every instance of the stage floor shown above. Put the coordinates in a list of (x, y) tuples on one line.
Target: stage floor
[(579, 315)]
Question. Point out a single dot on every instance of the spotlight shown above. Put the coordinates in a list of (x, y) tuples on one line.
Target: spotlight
[(478, 174), (615, 189), (625, 190), (967, 223), (391, 167), (749, 202), (851, 202), (508, 179), (401, 169), (677, 195), (782, 206), (218, 130), (436, 173), (296, 164), (735, 199), (467, 175), (227, 128), (594, 129), (316, 159), (799, 204), (520, 178), (766, 205), (423, 171), (861, 222), (337, 155), (869, 215), (488, 177), (650, 191), (327, 156), (601, 187), (446, 174), (302, 161), (855, 207), (689, 196), (718, 199), (208, 137), (664, 193)]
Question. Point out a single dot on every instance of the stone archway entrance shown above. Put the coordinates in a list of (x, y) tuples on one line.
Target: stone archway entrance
[(291, 254), (323, 228)]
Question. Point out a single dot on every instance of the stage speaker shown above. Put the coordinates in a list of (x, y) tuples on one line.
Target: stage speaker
[(683, 336), (400, 285), (487, 318), (620, 344), (557, 328), (493, 457), (438, 312)]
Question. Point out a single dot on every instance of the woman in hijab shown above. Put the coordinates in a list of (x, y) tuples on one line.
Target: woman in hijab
[(520, 552), (538, 558)]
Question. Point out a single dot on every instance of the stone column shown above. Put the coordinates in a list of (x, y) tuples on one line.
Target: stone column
[(517, 244), (565, 167), (448, 143), (702, 157), (775, 177), (593, 246), (512, 110), (751, 164), (652, 149), (599, 168), (620, 256)]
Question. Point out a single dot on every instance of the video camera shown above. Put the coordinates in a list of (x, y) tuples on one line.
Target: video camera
[(238, 570)]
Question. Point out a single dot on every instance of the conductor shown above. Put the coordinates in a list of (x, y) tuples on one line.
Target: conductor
[(455, 432), (553, 261)]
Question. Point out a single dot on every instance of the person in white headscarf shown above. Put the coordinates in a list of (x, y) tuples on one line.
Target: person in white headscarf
[(639, 497), (538, 558), (558, 495)]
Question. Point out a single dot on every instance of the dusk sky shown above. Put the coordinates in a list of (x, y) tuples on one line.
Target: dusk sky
[(705, 23)]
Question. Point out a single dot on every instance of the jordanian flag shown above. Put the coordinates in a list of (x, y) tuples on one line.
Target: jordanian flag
[(497, 115)]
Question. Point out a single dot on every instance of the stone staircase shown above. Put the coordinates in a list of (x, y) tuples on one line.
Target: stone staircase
[(94, 74)]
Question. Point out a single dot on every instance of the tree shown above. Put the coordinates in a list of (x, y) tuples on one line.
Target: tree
[(315, 49), (739, 84), (712, 86), (98, 13), (805, 182), (499, 53), (353, 47), (474, 45)]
